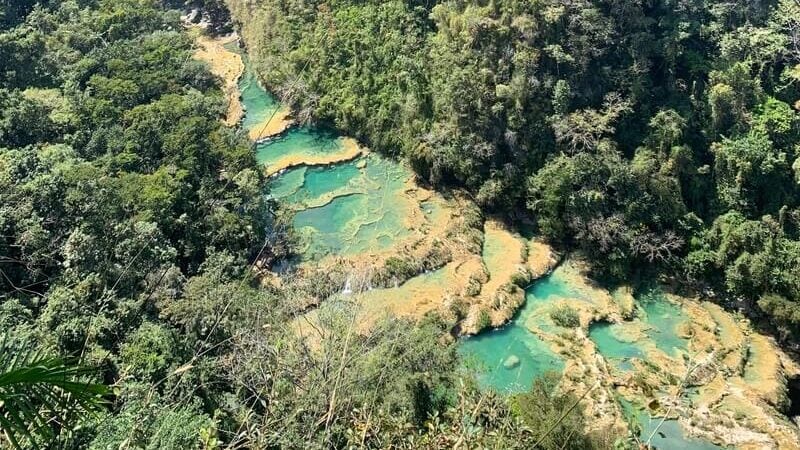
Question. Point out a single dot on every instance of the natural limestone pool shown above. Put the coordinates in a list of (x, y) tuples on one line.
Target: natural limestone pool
[(664, 435), (344, 209), (347, 204), (303, 147), (341, 207), (657, 326), (510, 358), (258, 103)]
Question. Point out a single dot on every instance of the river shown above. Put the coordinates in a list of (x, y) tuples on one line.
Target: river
[(638, 347)]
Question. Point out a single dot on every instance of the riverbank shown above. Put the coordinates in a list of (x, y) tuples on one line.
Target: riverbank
[(347, 151), (226, 65), (272, 125)]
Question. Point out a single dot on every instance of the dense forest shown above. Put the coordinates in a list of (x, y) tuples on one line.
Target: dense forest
[(652, 135), (657, 137), (130, 218)]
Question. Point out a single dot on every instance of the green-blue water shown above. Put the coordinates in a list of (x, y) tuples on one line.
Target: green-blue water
[(664, 318), (661, 319), (345, 209), (669, 435), (553, 287), (258, 103), (489, 350), (612, 347), (306, 185), (298, 141)]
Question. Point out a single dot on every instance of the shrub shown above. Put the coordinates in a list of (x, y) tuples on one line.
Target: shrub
[(484, 320), (521, 278), (565, 316), (399, 268)]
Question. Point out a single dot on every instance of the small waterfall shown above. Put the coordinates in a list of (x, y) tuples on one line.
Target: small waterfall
[(347, 288)]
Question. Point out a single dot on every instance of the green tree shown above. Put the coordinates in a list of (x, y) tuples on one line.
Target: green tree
[(752, 174)]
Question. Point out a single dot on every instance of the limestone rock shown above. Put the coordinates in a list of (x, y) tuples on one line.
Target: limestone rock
[(541, 259), (511, 362)]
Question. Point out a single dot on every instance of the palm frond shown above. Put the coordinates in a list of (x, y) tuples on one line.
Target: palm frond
[(41, 395)]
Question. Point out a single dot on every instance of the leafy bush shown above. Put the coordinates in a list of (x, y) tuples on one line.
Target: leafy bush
[(565, 316), (399, 268), (484, 320)]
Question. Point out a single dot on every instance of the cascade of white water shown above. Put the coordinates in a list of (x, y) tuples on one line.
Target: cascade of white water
[(347, 288)]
